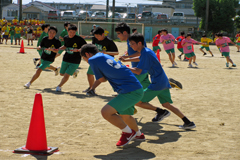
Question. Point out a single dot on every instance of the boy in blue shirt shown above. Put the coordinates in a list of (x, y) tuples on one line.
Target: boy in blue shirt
[(159, 86), (119, 110)]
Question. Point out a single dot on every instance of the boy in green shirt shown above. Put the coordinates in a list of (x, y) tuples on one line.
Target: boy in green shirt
[(44, 34), (63, 34), (12, 33)]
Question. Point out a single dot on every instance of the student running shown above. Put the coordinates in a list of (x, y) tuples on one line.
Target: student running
[(205, 45)]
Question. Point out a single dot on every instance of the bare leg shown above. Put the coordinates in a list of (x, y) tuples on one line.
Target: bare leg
[(173, 57), (170, 57), (174, 109), (109, 113), (51, 68), (211, 52), (90, 80), (190, 60), (36, 75), (64, 79), (130, 121), (201, 50), (229, 60), (194, 58), (146, 105)]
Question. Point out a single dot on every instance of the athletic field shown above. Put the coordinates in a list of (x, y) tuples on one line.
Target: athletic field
[(210, 97)]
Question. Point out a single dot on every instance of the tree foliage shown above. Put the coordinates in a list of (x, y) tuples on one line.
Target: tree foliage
[(221, 14)]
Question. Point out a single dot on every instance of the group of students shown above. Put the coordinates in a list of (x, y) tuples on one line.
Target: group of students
[(185, 46), (14, 30), (131, 83)]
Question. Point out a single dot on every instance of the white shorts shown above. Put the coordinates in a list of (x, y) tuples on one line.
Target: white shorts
[(29, 36)]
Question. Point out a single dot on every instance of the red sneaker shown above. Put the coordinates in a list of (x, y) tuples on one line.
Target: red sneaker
[(126, 138), (140, 138)]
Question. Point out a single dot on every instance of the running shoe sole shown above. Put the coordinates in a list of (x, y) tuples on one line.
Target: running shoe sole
[(175, 83)]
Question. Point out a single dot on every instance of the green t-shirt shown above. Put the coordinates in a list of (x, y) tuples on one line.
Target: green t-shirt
[(44, 34), (12, 31)]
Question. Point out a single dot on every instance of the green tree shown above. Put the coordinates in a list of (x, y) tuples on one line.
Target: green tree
[(221, 13)]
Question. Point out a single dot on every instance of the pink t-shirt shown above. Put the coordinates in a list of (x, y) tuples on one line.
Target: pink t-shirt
[(225, 41), (188, 47), (169, 43)]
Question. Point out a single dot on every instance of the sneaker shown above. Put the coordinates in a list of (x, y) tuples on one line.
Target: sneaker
[(59, 89), (174, 83), (227, 64), (31, 44), (234, 65), (85, 91), (91, 93), (188, 126), (126, 138), (195, 63), (212, 55), (160, 117), (35, 61), (27, 85), (76, 73), (175, 63), (190, 66), (204, 54), (37, 66), (179, 57), (139, 138), (57, 71), (185, 59), (28, 44)]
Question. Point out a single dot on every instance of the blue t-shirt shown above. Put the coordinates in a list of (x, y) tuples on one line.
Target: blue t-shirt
[(119, 76), (149, 62), (131, 52)]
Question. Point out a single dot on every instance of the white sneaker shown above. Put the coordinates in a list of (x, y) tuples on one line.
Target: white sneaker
[(57, 71), (195, 63), (190, 66), (175, 63), (59, 89), (76, 73), (27, 85)]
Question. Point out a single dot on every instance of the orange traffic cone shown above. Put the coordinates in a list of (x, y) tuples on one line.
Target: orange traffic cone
[(22, 48), (158, 56), (36, 140)]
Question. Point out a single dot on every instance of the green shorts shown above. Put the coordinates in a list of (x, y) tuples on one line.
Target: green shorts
[(90, 71), (181, 50), (124, 103), (170, 51), (18, 36), (68, 68), (225, 54), (143, 79), (207, 48), (155, 48), (164, 96), (44, 64), (238, 43), (189, 55)]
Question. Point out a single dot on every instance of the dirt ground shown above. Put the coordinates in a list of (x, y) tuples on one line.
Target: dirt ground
[(210, 98)]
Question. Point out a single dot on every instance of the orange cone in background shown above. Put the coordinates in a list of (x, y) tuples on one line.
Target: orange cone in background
[(37, 140), (158, 56), (22, 48)]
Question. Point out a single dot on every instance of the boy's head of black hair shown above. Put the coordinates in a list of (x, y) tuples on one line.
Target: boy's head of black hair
[(159, 31), (182, 33), (45, 26), (121, 27), (220, 34), (204, 35), (165, 30), (72, 27), (189, 34), (137, 37), (88, 48), (134, 29), (52, 28), (98, 30), (66, 24), (216, 34)]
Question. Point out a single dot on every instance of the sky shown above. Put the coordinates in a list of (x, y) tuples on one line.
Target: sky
[(118, 2)]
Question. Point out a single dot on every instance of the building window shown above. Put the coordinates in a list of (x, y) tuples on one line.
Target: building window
[(12, 13), (32, 15)]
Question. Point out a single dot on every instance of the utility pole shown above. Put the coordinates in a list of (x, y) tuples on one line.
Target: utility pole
[(107, 6), (20, 10), (113, 16), (207, 14), (1, 9)]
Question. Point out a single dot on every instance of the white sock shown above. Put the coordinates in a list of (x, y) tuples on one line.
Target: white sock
[(127, 129), (138, 133)]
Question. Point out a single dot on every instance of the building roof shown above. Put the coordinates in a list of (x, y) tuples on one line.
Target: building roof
[(98, 7), (13, 5), (189, 12), (41, 6)]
